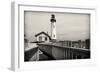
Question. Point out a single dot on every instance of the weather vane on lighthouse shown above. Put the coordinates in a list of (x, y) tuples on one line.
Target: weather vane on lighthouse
[(53, 27)]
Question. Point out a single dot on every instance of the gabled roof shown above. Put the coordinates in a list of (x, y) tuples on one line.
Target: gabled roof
[(43, 33)]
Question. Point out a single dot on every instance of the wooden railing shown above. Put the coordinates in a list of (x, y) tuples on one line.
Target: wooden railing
[(63, 52)]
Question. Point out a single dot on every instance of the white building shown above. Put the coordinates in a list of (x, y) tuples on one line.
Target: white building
[(42, 37)]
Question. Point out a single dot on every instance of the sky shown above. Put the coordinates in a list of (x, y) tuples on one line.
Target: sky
[(69, 26)]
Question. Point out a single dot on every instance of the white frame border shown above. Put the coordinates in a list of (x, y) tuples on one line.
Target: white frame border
[(17, 31)]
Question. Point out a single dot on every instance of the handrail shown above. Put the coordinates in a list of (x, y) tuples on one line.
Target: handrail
[(53, 45)]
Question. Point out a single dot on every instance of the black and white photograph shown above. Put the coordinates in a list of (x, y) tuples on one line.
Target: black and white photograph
[(56, 36)]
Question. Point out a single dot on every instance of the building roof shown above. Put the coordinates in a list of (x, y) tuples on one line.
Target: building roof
[(42, 33)]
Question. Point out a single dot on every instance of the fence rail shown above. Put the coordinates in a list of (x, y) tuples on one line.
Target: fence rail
[(63, 52)]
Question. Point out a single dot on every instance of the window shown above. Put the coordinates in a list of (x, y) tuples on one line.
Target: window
[(45, 38), (40, 38), (53, 26), (54, 36)]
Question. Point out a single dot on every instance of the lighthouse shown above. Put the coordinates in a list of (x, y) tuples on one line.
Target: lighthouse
[(53, 27)]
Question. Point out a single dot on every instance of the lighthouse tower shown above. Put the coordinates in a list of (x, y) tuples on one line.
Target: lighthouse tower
[(53, 27)]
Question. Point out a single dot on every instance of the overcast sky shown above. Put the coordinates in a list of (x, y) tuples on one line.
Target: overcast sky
[(68, 26)]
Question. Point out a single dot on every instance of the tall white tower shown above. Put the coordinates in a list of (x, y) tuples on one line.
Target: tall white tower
[(53, 27)]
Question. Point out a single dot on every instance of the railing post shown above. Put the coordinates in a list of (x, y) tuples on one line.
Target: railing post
[(37, 55)]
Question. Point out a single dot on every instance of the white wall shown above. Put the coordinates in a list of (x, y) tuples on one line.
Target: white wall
[(5, 37)]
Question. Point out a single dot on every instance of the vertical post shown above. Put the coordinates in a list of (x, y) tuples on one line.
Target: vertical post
[(37, 55)]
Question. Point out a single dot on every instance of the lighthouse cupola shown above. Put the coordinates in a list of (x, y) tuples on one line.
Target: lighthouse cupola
[(53, 18)]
